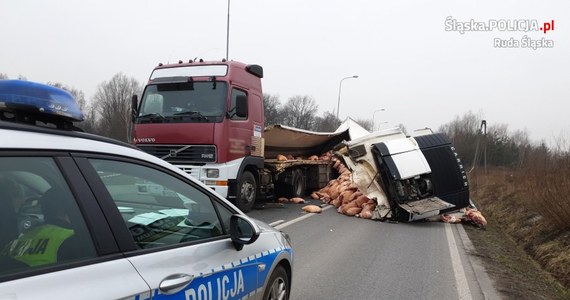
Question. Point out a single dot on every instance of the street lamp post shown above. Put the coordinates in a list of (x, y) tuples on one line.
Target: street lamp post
[(339, 88), (374, 113), (228, 32)]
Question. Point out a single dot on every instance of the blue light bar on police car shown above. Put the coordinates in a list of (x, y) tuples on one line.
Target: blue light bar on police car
[(25, 96)]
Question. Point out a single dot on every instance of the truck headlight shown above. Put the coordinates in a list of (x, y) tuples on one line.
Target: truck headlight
[(212, 173)]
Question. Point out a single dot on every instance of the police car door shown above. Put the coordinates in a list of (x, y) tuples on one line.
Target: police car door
[(178, 233), (51, 258)]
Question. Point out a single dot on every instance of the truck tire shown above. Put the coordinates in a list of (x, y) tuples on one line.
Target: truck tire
[(291, 184), (298, 184), (246, 192), (277, 286)]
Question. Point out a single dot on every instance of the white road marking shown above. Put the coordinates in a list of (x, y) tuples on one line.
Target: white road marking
[(301, 218), (481, 276), (273, 224), (460, 278)]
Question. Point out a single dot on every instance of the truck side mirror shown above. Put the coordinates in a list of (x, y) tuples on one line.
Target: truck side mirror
[(241, 106), (134, 107)]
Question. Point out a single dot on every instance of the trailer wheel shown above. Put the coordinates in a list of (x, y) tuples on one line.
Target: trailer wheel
[(297, 184), (247, 188)]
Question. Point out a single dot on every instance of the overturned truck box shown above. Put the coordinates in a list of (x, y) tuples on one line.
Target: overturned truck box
[(411, 178)]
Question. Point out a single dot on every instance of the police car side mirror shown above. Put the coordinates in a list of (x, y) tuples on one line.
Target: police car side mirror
[(243, 231)]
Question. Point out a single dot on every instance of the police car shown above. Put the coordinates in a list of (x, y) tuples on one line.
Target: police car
[(83, 216)]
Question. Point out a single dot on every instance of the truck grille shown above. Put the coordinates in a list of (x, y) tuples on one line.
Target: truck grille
[(183, 154), (192, 170)]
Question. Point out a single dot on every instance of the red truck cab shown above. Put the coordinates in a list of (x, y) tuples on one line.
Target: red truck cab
[(206, 117)]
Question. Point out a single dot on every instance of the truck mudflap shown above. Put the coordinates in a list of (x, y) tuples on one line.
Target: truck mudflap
[(422, 209)]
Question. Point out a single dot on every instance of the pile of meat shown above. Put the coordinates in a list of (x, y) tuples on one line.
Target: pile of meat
[(471, 216), (326, 156), (344, 195), (297, 200)]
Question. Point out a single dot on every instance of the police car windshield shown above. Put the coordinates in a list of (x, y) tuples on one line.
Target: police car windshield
[(172, 102)]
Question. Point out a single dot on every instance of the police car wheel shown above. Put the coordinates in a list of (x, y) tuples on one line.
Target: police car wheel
[(277, 286), (246, 192)]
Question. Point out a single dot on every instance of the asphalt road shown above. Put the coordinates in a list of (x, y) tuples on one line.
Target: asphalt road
[(341, 257)]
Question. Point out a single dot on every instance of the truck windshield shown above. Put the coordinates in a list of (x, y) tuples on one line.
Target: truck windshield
[(182, 102)]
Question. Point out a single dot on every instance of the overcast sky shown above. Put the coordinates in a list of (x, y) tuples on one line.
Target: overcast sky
[(407, 63)]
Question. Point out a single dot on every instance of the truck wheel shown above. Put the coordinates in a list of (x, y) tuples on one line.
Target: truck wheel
[(298, 184), (277, 286), (246, 191)]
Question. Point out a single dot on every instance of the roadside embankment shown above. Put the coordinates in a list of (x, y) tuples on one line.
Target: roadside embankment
[(526, 245)]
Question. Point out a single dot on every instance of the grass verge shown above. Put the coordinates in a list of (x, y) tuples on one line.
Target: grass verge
[(524, 253)]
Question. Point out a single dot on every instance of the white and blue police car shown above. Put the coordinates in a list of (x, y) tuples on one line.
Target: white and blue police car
[(83, 216)]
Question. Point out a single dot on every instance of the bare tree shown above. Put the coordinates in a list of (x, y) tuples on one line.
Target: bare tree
[(520, 137), (77, 94), (468, 124), (465, 134), (365, 123), (299, 112), (272, 109), (112, 102), (327, 123), (522, 142), (503, 150), (89, 123), (3, 76)]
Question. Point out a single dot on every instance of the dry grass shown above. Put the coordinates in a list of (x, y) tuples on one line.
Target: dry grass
[(555, 256), (532, 204), (514, 273), (549, 192)]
